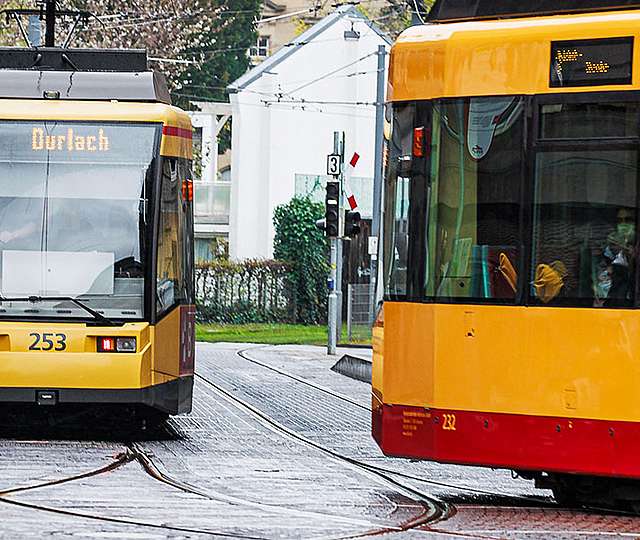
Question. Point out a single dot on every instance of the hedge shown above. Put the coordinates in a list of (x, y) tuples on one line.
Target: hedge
[(257, 291)]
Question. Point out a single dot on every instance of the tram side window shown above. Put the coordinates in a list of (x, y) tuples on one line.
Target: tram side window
[(584, 229), (170, 266), (186, 227), (473, 237), (589, 120), (397, 190)]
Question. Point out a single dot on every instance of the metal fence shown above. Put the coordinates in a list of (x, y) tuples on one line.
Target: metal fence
[(358, 311)]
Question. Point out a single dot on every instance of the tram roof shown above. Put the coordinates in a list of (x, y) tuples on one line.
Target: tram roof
[(59, 59), (456, 10), (500, 57), (80, 74)]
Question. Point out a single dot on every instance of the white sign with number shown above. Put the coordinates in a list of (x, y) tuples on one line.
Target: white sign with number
[(333, 164)]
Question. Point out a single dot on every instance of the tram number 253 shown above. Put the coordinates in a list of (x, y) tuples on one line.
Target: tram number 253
[(449, 422), (48, 342)]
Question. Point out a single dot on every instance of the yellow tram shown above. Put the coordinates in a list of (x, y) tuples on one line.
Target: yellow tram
[(510, 332), (96, 229)]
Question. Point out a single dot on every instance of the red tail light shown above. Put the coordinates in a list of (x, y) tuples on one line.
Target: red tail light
[(123, 344), (106, 344)]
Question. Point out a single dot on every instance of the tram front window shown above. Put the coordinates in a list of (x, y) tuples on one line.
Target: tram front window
[(473, 232), (584, 227), (397, 202), (73, 209)]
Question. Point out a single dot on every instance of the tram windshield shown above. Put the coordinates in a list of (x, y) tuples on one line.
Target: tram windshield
[(492, 215), (73, 210)]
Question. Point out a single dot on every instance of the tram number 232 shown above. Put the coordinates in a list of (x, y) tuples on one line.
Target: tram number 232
[(449, 422), (48, 342)]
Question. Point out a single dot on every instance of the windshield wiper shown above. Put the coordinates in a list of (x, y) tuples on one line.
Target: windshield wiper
[(36, 299)]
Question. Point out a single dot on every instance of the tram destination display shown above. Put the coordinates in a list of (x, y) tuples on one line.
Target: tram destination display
[(591, 62)]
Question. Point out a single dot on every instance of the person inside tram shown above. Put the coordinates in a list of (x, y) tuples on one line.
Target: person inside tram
[(615, 271)]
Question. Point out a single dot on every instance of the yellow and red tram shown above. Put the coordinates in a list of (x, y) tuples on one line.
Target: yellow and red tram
[(510, 332), (96, 229)]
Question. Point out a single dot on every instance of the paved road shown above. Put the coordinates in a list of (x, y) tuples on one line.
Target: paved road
[(260, 467)]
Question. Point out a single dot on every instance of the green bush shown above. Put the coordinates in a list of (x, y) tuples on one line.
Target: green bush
[(299, 243)]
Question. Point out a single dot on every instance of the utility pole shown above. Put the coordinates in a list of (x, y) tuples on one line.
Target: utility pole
[(377, 179), (49, 12), (50, 15)]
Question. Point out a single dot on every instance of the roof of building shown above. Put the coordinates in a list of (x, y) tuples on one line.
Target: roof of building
[(274, 6), (290, 49)]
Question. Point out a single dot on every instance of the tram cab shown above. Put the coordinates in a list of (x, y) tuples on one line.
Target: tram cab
[(510, 330), (96, 229)]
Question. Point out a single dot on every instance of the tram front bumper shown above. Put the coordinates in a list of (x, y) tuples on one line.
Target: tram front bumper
[(172, 397), (50, 363)]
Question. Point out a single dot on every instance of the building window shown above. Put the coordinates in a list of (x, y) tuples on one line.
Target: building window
[(261, 49)]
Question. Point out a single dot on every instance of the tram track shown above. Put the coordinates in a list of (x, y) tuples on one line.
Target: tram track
[(134, 452), (466, 489), (539, 502), (152, 469), (122, 459), (434, 510), (243, 354)]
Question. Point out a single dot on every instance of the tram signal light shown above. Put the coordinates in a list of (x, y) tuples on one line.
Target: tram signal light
[(352, 224), (332, 210)]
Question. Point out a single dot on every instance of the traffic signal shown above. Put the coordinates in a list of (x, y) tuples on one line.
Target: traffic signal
[(332, 210), (352, 224)]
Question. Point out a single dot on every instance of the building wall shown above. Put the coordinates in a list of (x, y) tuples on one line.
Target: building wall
[(273, 141)]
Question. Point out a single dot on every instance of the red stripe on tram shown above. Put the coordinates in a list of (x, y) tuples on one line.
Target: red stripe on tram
[(172, 131)]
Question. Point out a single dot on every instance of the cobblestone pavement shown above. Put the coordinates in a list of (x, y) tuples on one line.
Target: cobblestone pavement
[(504, 510), (229, 473)]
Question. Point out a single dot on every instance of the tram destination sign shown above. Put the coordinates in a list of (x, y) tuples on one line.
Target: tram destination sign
[(591, 62), (59, 141)]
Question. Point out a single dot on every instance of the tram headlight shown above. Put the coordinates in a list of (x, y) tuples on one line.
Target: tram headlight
[(126, 344), (117, 344)]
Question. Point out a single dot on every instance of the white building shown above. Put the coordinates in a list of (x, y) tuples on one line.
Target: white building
[(212, 188), (285, 112)]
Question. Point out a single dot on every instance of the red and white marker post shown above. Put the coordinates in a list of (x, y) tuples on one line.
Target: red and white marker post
[(351, 199)]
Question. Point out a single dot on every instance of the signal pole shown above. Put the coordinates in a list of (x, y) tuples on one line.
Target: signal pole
[(335, 270), (50, 15)]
